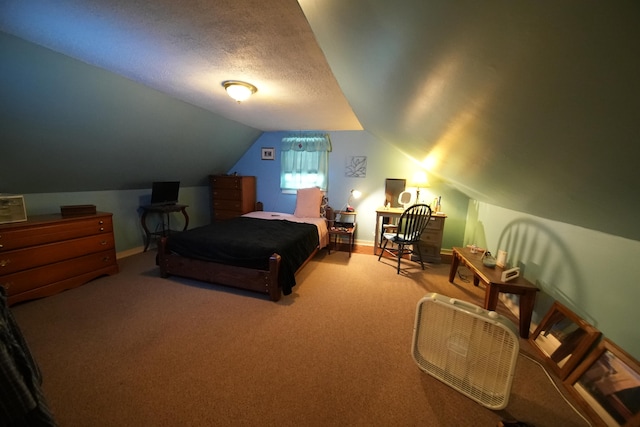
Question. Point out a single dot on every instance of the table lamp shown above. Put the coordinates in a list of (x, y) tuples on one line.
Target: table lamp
[(419, 180), (355, 194)]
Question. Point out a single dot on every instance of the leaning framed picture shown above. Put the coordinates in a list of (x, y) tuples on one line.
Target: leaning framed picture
[(563, 339), (607, 385), (268, 153)]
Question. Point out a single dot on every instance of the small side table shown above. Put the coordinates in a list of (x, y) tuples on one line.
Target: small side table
[(164, 211), (349, 232), (342, 228)]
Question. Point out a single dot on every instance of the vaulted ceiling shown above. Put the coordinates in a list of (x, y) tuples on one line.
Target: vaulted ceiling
[(527, 106)]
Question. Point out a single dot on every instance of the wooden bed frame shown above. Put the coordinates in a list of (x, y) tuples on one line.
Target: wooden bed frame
[(262, 281)]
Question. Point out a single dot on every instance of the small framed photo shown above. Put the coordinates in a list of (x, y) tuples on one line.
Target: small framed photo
[(607, 385), (268, 153), (563, 339)]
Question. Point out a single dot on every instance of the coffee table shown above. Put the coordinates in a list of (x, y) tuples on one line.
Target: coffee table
[(494, 285)]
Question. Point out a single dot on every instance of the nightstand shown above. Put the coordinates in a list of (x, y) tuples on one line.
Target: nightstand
[(343, 229)]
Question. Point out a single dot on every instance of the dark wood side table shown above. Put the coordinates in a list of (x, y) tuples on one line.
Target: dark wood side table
[(338, 231), (164, 211), (492, 278)]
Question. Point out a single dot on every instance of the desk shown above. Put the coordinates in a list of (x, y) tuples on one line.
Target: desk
[(163, 211), (430, 241), (491, 277)]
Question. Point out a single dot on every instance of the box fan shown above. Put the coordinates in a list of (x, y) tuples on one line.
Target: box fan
[(470, 349)]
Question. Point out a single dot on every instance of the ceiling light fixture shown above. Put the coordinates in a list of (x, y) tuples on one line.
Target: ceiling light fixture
[(240, 91)]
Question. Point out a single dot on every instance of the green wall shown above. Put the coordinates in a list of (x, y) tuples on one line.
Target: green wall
[(588, 271)]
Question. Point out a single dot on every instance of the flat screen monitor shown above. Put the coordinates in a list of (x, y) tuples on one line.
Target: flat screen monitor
[(165, 193)]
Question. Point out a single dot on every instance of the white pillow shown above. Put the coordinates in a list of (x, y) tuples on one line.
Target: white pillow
[(308, 203)]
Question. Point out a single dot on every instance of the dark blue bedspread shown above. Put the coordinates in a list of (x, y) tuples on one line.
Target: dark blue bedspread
[(249, 242)]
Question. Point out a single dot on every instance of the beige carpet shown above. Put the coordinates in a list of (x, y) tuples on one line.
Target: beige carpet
[(137, 350)]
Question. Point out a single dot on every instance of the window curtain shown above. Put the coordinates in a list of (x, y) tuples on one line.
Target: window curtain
[(305, 161)]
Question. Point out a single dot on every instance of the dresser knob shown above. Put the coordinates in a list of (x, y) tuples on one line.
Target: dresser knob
[(4, 262), (100, 222), (101, 228), (1, 246), (6, 285), (104, 242)]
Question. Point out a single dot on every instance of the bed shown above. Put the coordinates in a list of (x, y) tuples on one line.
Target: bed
[(259, 251)]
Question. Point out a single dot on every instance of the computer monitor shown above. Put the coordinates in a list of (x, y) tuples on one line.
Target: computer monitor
[(165, 193)]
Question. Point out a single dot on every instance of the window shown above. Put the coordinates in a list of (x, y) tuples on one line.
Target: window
[(304, 161)]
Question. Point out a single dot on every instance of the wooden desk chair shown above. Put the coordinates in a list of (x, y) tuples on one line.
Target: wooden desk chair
[(408, 233)]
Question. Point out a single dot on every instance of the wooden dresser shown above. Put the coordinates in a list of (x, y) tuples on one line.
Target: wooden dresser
[(431, 239), (50, 253), (232, 196)]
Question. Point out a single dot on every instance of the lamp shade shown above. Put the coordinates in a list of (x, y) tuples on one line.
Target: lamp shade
[(420, 179)]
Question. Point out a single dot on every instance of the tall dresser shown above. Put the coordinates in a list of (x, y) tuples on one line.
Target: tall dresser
[(50, 253), (431, 239), (232, 196)]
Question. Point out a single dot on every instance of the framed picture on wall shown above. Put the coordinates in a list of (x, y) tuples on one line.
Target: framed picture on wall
[(563, 338), (268, 153), (607, 385), (356, 167)]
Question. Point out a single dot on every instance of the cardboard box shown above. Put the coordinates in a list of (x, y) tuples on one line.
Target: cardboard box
[(78, 210)]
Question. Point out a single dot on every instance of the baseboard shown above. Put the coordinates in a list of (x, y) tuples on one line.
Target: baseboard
[(129, 252)]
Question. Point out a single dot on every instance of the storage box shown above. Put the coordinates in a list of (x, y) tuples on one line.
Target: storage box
[(12, 208), (78, 210)]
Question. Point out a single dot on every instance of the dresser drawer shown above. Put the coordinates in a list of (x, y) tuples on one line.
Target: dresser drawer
[(225, 214), (227, 194), (47, 232), (229, 205), (41, 276), (22, 259), (228, 182)]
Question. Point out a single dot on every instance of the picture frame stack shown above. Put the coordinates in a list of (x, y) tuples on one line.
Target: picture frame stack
[(601, 376)]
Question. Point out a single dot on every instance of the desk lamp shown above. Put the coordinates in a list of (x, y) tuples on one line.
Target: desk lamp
[(355, 194), (419, 180)]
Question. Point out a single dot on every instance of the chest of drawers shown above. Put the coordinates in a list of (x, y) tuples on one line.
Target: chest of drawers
[(50, 253), (232, 196)]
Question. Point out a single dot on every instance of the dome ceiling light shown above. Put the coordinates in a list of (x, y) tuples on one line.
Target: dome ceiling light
[(240, 91)]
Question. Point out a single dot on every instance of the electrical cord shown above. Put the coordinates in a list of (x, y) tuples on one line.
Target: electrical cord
[(526, 356), (463, 277)]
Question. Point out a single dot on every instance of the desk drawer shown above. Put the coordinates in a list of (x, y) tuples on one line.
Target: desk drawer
[(433, 237), (22, 259), (429, 251), (435, 223)]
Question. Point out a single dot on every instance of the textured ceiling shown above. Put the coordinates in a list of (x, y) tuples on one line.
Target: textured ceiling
[(526, 106), (186, 48)]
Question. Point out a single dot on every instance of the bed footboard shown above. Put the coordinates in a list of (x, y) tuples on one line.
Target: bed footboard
[(262, 281)]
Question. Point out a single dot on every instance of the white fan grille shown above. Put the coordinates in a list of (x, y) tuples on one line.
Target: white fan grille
[(466, 349)]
